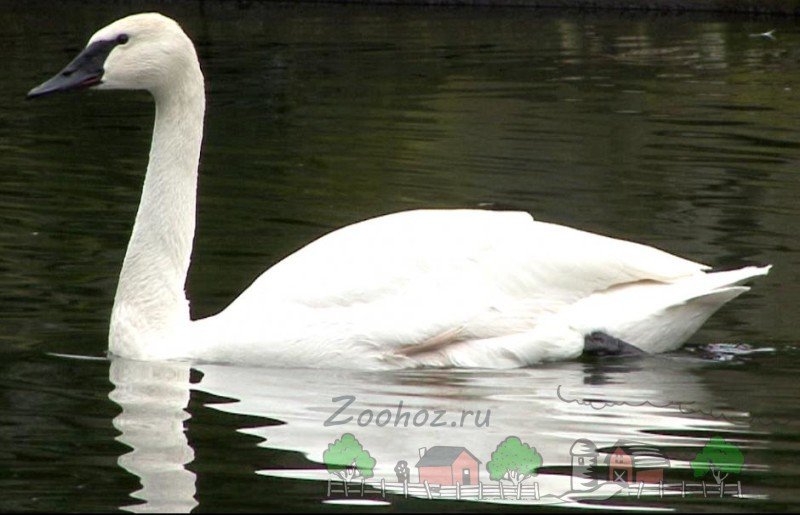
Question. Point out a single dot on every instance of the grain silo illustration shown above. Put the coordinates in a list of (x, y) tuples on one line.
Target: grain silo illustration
[(584, 465)]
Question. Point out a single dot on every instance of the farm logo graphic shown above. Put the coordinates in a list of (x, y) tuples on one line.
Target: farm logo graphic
[(718, 457), (402, 471), (635, 469), (448, 466), (624, 468), (514, 461), (627, 464), (347, 459), (584, 466), (633, 463), (443, 472)]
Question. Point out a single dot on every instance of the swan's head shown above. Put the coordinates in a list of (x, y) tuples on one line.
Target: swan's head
[(143, 51)]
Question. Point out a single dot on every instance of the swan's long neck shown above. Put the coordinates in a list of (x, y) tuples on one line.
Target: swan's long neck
[(150, 307)]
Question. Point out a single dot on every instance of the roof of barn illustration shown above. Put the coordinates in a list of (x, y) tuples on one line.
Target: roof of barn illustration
[(442, 455)]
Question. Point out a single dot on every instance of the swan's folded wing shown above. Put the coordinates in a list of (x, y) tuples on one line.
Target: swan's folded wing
[(590, 262), (410, 277), (467, 250)]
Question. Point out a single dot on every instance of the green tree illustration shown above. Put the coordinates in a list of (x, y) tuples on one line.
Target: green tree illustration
[(719, 457), (347, 459), (514, 461)]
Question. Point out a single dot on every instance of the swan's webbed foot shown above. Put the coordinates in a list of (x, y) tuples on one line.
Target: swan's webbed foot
[(602, 344)]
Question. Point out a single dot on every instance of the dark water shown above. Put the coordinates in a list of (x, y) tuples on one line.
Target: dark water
[(678, 131)]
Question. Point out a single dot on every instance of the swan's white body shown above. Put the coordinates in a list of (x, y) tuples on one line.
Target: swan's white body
[(467, 288)]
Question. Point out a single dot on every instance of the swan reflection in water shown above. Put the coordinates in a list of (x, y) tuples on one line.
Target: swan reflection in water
[(154, 397)]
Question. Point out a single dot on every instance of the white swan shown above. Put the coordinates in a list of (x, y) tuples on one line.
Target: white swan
[(466, 288)]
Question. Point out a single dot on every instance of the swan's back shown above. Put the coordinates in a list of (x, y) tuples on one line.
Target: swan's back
[(473, 249)]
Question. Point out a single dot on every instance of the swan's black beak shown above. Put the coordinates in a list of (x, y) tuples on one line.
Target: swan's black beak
[(85, 71)]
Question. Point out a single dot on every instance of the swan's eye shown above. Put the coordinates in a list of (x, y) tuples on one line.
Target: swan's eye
[(122, 39)]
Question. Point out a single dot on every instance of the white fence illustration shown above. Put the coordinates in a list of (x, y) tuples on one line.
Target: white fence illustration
[(686, 488), (481, 491), (501, 491)]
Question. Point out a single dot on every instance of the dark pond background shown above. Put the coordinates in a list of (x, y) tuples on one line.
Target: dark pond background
[(679, 131)]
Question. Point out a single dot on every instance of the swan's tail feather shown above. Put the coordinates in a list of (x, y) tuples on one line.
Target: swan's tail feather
[(660, 318), (711, 281), (717, 297)]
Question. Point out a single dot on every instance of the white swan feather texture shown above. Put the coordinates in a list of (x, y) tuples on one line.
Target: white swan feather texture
[(444, 288)]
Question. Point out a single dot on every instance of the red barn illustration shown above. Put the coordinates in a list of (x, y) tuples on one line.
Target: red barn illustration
[(633, 462), (447, 465)]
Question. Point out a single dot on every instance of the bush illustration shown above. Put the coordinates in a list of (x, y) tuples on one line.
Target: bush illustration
[(719, 457), (347, 459), (514, 461)]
